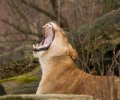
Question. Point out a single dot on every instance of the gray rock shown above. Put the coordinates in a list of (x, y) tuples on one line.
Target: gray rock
[(47, 97)]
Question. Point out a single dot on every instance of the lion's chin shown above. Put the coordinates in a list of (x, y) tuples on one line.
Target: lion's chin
[(38, 54)]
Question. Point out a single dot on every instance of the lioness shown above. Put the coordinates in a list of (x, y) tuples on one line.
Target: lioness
[(60, 74)]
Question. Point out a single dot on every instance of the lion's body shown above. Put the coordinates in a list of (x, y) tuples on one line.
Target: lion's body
[(66, 78), (60, 74)]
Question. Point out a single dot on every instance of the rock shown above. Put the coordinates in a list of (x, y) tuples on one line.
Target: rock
[(104, 29), (2, 91), (22, 84), (47, 97), (102, 32), (16, 52), (17, 60)]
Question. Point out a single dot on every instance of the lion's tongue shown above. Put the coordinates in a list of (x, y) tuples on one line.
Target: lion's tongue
[(48, 39), (48, 36)]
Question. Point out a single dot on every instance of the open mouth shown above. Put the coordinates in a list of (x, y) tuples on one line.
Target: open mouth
[(47, 40)]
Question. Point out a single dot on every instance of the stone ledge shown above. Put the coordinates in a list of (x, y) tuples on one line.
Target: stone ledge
[(46, 97)]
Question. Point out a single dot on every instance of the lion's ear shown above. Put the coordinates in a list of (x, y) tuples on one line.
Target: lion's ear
[(72, 52)]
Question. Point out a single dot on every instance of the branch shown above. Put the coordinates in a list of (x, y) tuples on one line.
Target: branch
[(38, 9), (59, 17), (63, 23), (14, 5), (16, 27)]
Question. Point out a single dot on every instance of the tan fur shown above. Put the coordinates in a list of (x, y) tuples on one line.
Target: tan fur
[(60, 74)]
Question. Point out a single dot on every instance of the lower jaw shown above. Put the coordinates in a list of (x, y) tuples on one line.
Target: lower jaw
[(40, 49)]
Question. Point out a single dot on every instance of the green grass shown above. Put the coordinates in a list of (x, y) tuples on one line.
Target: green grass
[(24, 78)]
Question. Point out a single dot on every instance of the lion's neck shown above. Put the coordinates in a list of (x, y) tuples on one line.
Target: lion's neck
[(56, 63)]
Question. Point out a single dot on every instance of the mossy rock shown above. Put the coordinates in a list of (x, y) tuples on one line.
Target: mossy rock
[(22, 84), (47, 97)]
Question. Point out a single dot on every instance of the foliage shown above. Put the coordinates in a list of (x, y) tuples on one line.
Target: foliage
[(98, 44), (109, 5)]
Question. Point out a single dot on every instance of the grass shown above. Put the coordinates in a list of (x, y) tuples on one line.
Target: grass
[(24, 78)]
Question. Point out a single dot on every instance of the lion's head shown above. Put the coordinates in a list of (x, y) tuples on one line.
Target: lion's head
[(54, 44)]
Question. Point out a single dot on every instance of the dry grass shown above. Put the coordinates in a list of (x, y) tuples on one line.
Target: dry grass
[(15, 68)]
